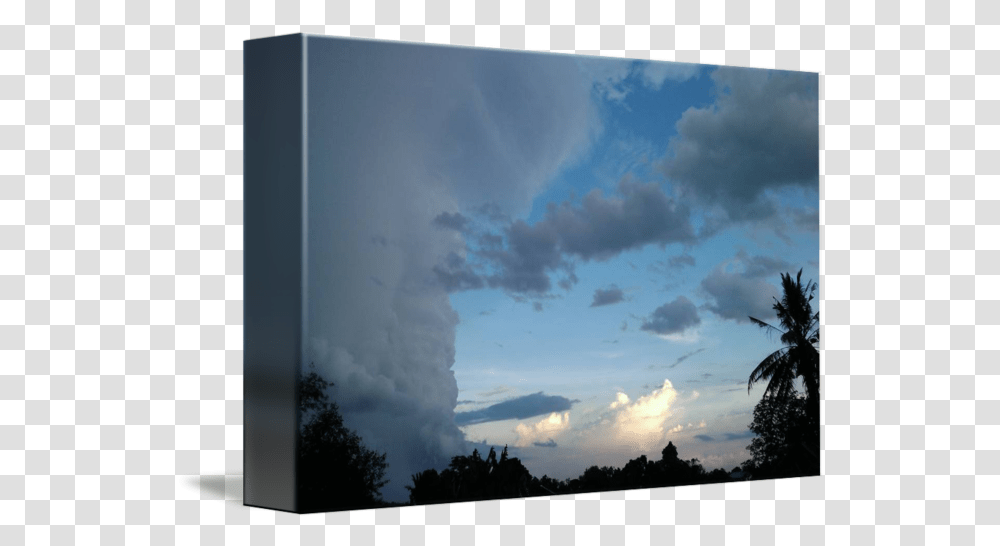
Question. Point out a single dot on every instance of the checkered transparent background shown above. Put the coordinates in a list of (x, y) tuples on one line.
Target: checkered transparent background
[(121, 264)]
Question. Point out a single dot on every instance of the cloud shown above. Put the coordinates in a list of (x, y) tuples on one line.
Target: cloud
[(453, 221), (549, 443), (737, 288), (522, 407), (760, 134), (412, 131), (598, 228), (672, 318), (680, 260), (684, 357), (616, 79), (537, 306), (525, 264), (738, 435), (546, 429), (655, 73), (639, 424), (601, 227), (608, 296), (455, 275), (496, 391), (726, 436)]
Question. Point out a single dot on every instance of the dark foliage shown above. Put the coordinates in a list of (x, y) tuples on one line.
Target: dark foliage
[(472, 478), (799, 354), (786, 424), (336, 471), (787, 441)]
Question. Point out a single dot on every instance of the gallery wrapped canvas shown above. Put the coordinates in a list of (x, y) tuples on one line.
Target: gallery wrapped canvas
[(476, 274)]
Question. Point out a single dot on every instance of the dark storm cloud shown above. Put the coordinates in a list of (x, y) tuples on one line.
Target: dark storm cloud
[(761, 133), (550, 443), (522, 407), (672, 318), (490, 240), (741, 287), (531, 253), (602, 227), (455, 275), (607, 296), (453, 221), (598, 228)]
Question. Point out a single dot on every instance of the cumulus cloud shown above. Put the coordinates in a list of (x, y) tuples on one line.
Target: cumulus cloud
[(640, 424), (598, 228), (738, 288), (672, 318), (607, 296), (602, 227), (521, 407), (455, 274), (760, 134), (543, 431)]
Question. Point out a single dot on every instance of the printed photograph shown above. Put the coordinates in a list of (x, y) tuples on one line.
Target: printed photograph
[(539, 274)]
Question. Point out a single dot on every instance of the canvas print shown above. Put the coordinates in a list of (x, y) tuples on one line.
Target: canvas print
[(478, 274)]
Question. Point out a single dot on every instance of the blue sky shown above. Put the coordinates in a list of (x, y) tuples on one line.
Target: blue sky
[(551, 252)]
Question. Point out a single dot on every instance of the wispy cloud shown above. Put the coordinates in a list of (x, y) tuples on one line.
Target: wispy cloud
[(684, 357)]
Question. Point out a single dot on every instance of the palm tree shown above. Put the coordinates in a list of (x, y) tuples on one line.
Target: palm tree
[(799, 355)]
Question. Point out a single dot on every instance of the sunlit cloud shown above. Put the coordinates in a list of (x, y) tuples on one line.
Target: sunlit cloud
[(640, 423), (542, 432)]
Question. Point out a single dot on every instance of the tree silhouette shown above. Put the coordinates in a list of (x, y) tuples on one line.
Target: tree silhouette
[(335, 472), (787, 441), (470, 477), (473, 478), (799, 356)]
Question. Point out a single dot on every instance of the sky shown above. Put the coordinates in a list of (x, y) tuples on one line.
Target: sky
[(551, 252)]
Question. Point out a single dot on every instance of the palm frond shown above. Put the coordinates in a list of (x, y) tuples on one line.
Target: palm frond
[(766, 326), (769, 369)]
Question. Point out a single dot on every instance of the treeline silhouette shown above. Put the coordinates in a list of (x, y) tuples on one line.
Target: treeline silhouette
[(470, 477), (337, 472)]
